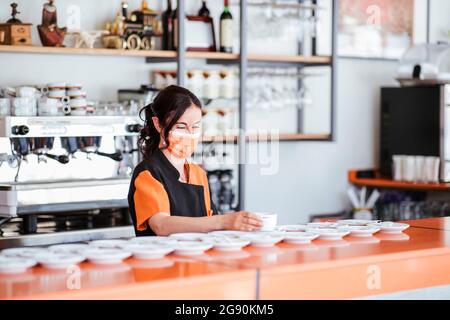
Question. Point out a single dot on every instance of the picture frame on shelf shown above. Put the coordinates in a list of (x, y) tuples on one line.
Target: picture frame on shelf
[(200, 35)]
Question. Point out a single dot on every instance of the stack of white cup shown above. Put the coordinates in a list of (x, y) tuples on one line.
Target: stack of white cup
[(416, 169), (25, 102)]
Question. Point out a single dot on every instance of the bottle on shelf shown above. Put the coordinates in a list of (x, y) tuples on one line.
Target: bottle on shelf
[(204, 11), (167, 22), (175, 28), (125, 9), (226, 29)]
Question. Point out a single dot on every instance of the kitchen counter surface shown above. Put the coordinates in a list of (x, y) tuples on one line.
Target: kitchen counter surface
[(352, 268), (432, 223)]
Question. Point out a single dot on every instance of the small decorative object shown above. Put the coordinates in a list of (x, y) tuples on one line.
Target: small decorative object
[(49, 32), (136, 32), (363, 208), (14, 32), (200, 34), (87, 39)]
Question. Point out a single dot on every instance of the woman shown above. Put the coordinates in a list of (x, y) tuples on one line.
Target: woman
[(167, 193)]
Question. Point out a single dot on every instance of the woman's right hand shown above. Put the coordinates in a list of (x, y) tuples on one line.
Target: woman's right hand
[(242, 221)]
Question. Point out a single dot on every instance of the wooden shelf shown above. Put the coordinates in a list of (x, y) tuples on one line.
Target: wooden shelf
[(162, 54), (212, 55), (379, 182), (314, 60), (261, 138), (87, 51)]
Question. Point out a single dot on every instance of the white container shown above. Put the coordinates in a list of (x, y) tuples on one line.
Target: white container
[(5, 107), (195, 82), (269, 220), (408, 167), (397, 167), (211, 88), (419, 167), (227, 85), (24, 107), (432, 169)]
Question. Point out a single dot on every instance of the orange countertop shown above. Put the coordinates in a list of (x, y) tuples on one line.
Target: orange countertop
[(350, 268), (169, 278), (432, 223)]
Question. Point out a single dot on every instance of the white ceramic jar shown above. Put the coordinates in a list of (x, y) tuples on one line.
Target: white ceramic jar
[(211, 87), (227, 85)]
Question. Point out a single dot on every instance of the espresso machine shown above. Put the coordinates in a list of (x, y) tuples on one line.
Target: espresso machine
[(54, 166)]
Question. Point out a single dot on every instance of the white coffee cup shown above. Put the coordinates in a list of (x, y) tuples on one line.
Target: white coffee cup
[(269, 220), (24, 107), (48, 107), (57, 93), (76, 93), (5, 107)]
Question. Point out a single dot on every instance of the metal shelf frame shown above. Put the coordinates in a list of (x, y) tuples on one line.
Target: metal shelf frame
[(244, 62)]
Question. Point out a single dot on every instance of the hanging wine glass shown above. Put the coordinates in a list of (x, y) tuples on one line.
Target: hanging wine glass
[(305, 99)]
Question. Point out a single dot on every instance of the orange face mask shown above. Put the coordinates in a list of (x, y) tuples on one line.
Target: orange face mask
[(182, 145)]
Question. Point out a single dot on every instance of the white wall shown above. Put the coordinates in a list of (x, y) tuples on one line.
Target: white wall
[(312, 176)]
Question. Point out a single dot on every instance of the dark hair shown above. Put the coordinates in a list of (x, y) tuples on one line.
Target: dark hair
[(168, 106)]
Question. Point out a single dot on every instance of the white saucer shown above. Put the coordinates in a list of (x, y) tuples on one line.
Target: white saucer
[(362, 231), (331, 234), (24, 252), (322, 225), (355, 222), (228, 233), (265, 240), (292, 228), (228, 243), (191, 248), (153, 240), (106, 244), (190, 236), (69, 248), (148, 251), (11, 265), (53, 260), (106, 255), (391, 227), (300, 237)]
